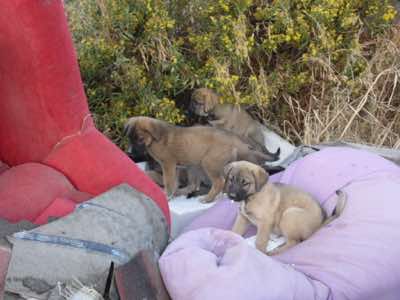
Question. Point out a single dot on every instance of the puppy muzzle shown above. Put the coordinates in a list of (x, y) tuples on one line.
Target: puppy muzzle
[(237, 195), (201, 113), (197, 109)]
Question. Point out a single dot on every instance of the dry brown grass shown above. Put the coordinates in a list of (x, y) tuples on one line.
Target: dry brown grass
[(366, 111)]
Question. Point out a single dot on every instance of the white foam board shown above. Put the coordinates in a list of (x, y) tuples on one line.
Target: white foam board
[(183, 210), (273, 141), (142, 165), (274, 241)]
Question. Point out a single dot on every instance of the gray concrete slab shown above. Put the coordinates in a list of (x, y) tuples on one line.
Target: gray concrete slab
[(121, 218)]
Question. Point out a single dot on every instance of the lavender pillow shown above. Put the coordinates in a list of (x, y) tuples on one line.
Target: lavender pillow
[(355, 257)]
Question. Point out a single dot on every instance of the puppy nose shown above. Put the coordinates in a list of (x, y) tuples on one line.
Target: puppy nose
[(232, 195)]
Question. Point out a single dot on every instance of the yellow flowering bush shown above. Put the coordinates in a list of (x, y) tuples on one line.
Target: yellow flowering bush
[(143, 57)]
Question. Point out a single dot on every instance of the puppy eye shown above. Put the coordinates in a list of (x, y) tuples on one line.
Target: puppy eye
[(246, 183)]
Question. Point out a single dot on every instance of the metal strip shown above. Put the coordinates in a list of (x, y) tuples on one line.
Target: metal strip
[(122, 256), (91, 204)]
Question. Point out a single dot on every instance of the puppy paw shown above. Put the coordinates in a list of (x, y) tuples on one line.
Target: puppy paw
[(170, 196), (206, 199), (261, 248), (265, 252), (196, 194), (272, 252)]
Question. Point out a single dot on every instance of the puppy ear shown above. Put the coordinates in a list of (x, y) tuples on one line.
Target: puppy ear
[(212, 101), (260, 178), (147, 137), (195, 95), (227, 169), (127, 130), (154, 130), (128, 127)]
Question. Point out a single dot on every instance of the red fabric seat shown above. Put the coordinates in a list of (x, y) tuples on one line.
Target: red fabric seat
[(3, 167), (31, 188), (59, 207), (51, 155)]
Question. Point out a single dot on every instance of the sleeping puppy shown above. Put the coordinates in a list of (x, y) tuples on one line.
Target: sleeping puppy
[(200, 146), (234, 118), (273, 207)]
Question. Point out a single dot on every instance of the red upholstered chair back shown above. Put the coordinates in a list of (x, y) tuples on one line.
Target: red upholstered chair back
[(44, 115), (41, 95)]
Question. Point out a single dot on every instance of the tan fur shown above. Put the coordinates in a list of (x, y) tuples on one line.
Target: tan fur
[(274, 208), (191, 179), (229, 117), (201, 146)]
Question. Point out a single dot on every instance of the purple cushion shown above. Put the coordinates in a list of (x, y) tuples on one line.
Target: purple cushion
[(355, 257)]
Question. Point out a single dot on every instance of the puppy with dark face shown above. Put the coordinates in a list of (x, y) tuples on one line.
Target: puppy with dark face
[(273, 207), (200, 146), (137, 152), (234, 118)]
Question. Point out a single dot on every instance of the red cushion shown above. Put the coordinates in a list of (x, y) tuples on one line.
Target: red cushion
[(95, 165), (3, 167), (26, 190), (42, 97), (58, 208)]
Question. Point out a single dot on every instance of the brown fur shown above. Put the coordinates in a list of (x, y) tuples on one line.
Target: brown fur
[(273, 207), (230, 117), (200, 146)]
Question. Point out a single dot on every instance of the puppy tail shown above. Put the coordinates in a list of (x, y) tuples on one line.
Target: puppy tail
[(271, 170), (275, 155), (340, 205), (263, 157)]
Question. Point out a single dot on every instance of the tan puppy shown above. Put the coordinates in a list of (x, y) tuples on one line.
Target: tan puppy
[(234, 118), (273, 207), (200, 146)]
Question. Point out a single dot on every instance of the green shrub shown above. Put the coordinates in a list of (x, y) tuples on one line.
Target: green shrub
[(138, 56)]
